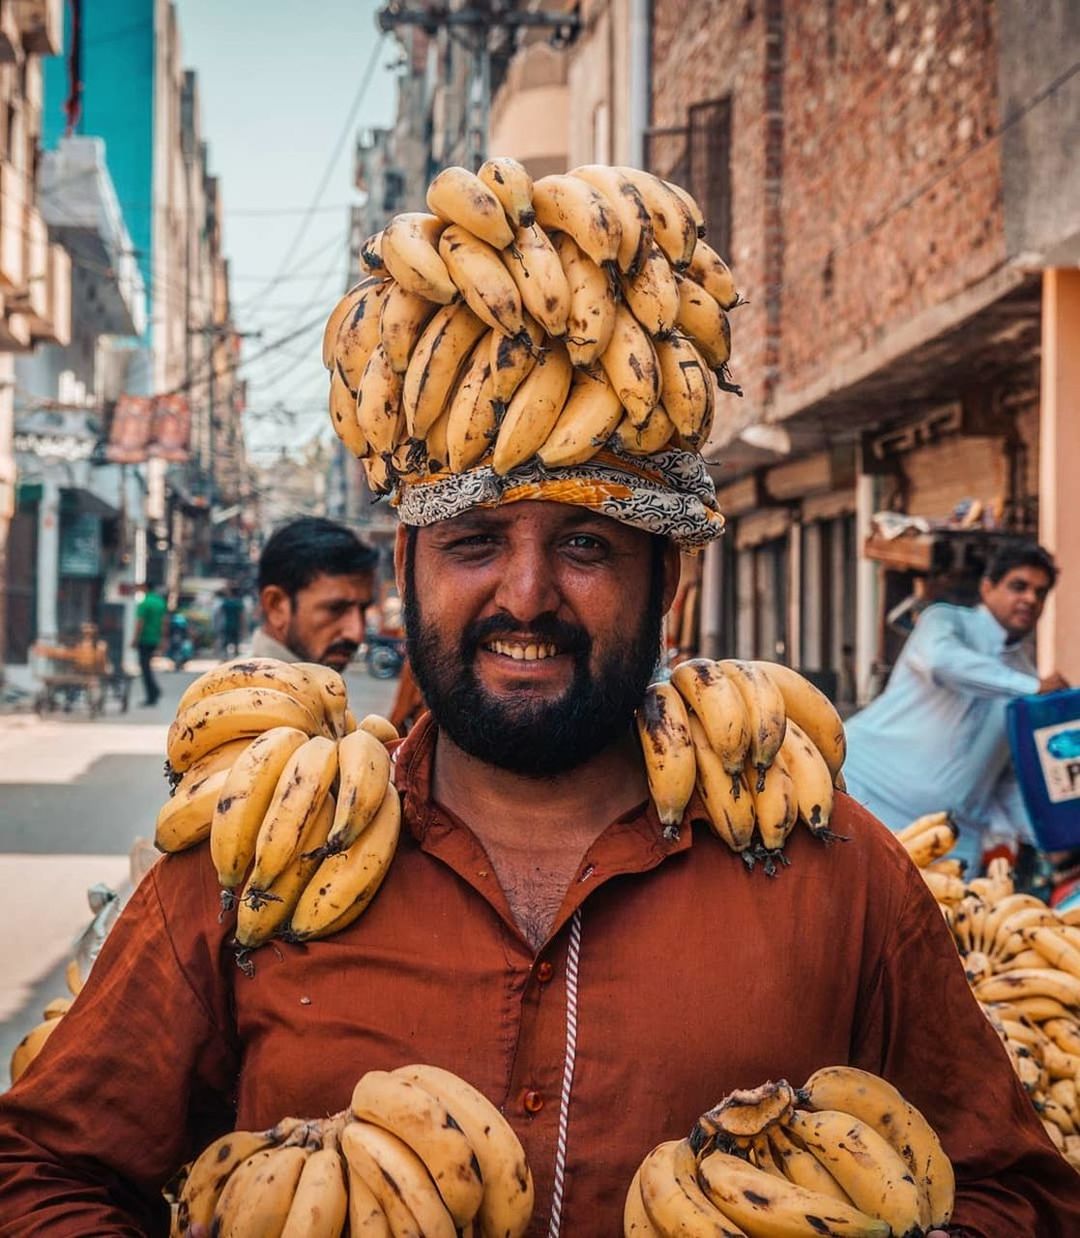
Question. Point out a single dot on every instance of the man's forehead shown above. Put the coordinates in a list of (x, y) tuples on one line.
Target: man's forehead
[(528, 512), (349, 585)]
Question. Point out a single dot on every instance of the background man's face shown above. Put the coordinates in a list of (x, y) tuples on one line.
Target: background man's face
[(325, 621), (1017, 600), (533, 629)]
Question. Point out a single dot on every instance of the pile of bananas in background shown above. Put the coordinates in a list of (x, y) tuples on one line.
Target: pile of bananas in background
[(294, 796), (418, 1152), (521, 320), (844, 1155), (762, 745), (1022, 961)]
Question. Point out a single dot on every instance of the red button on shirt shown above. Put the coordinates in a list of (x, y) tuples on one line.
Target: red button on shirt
[(544, 972), (532, 1101)]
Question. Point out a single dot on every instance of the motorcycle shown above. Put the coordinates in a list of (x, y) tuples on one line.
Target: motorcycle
[(385, 656), (181, 646)]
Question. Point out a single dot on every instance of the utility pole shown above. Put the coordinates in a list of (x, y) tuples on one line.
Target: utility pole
[(472, 28)]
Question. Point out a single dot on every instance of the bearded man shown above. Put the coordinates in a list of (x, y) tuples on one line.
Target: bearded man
[(539, 933)]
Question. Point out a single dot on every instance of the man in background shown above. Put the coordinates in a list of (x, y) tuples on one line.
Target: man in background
[(935, 738), (316, 581), (149, 623), (232, 621)]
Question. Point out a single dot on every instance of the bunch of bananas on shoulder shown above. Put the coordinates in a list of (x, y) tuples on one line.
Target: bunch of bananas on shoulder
[(844, 1155), (762, 746), (294, 796), (34, 1041), (418, 1152), (520, 320), (1022, 961)]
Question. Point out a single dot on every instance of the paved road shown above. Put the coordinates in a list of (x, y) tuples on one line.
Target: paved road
[(74, 796)]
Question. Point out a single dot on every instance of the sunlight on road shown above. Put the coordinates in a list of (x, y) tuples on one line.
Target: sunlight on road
[(36, 751)]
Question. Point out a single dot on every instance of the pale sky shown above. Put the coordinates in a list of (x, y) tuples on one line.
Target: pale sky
[(277, 80)]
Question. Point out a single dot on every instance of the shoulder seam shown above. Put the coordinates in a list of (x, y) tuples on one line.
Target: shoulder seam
[(207, 1012)]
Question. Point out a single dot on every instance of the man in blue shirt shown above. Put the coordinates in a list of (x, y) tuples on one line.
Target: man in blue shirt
[(935, 738)]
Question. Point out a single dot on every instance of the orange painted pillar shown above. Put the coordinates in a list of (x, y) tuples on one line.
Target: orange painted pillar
[(1059, 469)]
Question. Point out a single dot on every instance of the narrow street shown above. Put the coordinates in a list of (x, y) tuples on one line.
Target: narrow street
[(75, 794)]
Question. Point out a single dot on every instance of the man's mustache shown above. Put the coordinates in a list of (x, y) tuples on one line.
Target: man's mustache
[(567, 637), (347, 647)]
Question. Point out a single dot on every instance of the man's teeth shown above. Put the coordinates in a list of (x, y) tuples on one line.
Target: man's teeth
[(523, 653)]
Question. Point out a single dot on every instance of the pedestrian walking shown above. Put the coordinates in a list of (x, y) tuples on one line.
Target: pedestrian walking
[(935, 738), (232, 621), (149, 625)]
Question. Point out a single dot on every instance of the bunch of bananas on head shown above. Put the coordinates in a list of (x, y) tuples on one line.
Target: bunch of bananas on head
[(845, 1155), (293, 794), (1023, 962), (760, 743), (419, 1151), (520, 320)]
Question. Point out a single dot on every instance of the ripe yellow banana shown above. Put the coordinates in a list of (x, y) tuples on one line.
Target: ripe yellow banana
[(1064, 1032), (471, 414), (403, 317), (375, 724), (461, 197), (813, 783), (812, 710), (652, 293), (231, 714), (727, 799), (254, 673), (342, 408), (209, 1172), (359, 333), (591, 321), (687, 385), (776, 806), (378, 404), (344, 884), (436, 446), (320, 1204), (771, 1207), (487, 286), (690, 202), (371, 259), (299, 795), (410, 251), (507, 1204), (635, 222), (222, 757), (876, 1102), (719, 707), (802, 1167), (184, 819), (701, 318), (765, 710), (257, 1197), (30, 1046), (397, 1178), (535, 268), (664, 731), (366, 1217), (636, 1222), (1055, 948), (1031, 982), (259, 917), (945, 889), (1005, 936), (932, 844), (712, 273), (674, 228), (571, 205), (512, 185), (631, 366), (244, 798), (870, 1170), (674, 1201), (511, 360), (333, 694), (925, 822), (588, 419), (656, 433), (363, 776), (533, 410), (337, 316), (424, 1124), (440, 354), (56, 1008)]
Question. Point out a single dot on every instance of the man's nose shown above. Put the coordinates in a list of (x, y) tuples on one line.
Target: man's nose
[(352, 625), (528, 586)]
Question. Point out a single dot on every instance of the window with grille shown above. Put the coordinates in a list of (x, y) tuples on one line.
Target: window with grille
[(697, 155)]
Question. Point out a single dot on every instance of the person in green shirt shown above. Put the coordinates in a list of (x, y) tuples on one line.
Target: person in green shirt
[(149, 622)]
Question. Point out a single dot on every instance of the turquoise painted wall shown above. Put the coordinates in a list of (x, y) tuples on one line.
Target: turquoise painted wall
[(117, 105)]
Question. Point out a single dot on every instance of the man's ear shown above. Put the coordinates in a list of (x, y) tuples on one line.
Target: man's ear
[(276, 607), (672, 573), (401, 540), (985, 585)]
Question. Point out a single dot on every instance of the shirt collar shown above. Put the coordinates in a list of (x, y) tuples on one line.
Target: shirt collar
[(997, 636)]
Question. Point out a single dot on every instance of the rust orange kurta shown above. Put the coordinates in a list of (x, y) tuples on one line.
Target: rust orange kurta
[(694, 977)]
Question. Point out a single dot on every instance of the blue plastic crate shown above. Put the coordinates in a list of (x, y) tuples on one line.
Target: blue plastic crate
[(1044, 735)]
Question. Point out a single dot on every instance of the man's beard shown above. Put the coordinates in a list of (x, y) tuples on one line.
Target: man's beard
[(303, 651), (534, 737)]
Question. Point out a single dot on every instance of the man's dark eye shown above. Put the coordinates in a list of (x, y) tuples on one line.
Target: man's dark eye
[(585, 541)]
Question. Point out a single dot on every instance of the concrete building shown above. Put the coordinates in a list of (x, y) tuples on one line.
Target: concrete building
[(35, 276)]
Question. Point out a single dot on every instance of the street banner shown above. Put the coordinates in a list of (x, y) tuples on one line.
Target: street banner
[(170, 431), (130, 430)]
